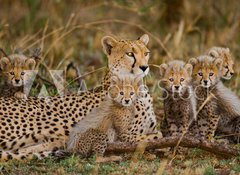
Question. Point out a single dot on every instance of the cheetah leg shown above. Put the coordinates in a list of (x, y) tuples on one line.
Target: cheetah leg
[(51, 145), (9, 155), (212, 126), (39, 150), (25, 141), (22, 141)]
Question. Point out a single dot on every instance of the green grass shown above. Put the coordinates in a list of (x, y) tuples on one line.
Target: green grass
[(194, 162)]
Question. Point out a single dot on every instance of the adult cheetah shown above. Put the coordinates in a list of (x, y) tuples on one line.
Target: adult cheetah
[(37, 126)]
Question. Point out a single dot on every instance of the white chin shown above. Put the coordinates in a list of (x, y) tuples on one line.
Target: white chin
[(226, 78), (17, 85), (126, 104), (146, 71), (205, 86)]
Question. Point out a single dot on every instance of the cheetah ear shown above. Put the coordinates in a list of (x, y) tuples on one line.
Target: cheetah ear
[(193, 61), (189, 68), (163, 67), (144, 38), (30, 63), (108, 43), (218, 62), (213, 53), (138, 80), (114, 80), (4, 62)]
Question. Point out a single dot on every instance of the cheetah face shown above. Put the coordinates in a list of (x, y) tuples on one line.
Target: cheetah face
[(123, 94), (127, 57), (206, 71), (227, 70), (124, 90), (126, 96), (15, 69), (228, 63), (176, 76)]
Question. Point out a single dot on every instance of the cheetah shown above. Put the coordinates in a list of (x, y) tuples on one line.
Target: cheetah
[(40, 126), (179, 101), (206, 75), (17, 73), (228, 124), (112, 121), (226, 56)]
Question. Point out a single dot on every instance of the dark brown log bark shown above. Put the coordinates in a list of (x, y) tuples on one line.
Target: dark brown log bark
[(223, 150)]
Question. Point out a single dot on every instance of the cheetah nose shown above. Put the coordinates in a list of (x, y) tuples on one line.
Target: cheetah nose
[(231, 73), (127, 101), (205, 82), (143, 68), (17, 81), (177, 87)]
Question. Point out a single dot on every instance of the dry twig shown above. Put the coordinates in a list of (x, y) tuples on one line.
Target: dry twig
[(187, 141)]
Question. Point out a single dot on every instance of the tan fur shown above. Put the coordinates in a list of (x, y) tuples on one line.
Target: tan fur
[(134, 55), (228, 63), (206, 75), (16, 75), (36, 121), (179, 104), (113, 114)]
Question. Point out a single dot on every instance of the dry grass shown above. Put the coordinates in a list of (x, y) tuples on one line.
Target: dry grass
[(71, 31)]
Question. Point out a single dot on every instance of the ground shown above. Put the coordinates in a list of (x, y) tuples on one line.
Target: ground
[(195, 162)]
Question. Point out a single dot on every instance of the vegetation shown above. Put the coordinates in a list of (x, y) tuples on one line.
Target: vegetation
[(71, 30)]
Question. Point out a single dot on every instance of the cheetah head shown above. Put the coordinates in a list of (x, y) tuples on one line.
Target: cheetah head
[(206, 70), (228, 63), (176, 76), (125, 90), (14, 68), (127, 56)]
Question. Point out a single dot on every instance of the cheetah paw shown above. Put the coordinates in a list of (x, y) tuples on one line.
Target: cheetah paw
[(101, 159), (20, 95), (148, 156)]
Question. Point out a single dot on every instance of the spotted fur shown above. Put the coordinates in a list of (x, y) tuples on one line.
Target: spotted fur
[(17, 73), (179, 101), (28, 124)]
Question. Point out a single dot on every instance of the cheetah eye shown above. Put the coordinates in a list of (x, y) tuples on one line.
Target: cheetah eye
[(200, 74), (226, 67), (171, 79), (22, 73), (11, 73), (130, 54), (211, 74), (146, 53), (131, 93), (182, 79), (121, 93)]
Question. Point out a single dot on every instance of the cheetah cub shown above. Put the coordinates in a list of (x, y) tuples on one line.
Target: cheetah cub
[(14, 71), (111, 121), (179, 102), (226, 56), (206, 75), (230, 122)]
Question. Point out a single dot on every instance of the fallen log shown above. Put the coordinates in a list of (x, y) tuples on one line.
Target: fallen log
[(223, 150)]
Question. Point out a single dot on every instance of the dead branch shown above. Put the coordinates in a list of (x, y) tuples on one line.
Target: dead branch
[(225, 151)]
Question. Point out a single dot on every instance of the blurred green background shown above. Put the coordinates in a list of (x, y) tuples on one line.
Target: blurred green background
[(71, 31)]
